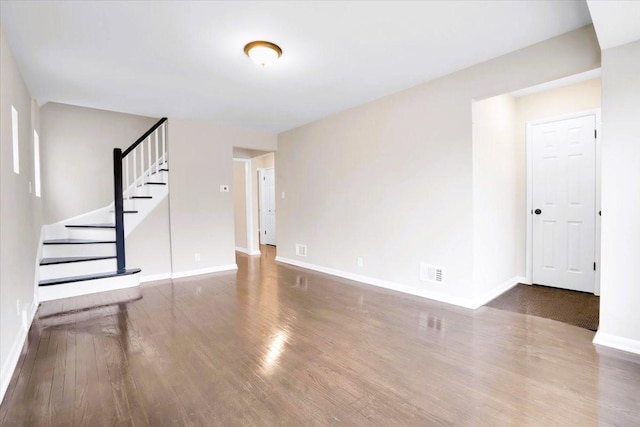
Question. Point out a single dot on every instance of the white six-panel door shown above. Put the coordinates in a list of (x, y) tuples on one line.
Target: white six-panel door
[(267, 206), (564, 186)]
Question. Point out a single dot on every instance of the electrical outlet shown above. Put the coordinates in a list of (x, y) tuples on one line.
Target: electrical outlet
[(301, 250), (18, 307), (283, 194), (197, 256), (224, 188), (360, 261)]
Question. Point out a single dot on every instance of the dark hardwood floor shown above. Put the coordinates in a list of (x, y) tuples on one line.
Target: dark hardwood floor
[(276, 345)]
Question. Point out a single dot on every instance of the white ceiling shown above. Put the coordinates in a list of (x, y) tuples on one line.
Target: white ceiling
[(185, 59), (616, 22)]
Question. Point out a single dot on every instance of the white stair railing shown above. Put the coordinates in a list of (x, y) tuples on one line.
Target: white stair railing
[(125, 182), (147, 158)]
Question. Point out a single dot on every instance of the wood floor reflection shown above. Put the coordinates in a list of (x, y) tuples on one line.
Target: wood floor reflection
[(276, 345)]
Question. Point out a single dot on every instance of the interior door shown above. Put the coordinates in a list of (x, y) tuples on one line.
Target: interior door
[(267, 206), (564, 186)]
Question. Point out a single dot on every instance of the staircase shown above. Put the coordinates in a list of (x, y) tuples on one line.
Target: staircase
[(86, 254)]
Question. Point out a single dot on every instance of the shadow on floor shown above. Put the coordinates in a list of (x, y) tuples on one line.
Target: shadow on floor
[(575, 308)]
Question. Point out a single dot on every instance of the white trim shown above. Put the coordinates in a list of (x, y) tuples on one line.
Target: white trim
[(248, 188), (198, 272), (619, 343), (11, 363), (247, 251), (261, 197), (154, 277), (472, 303), (529, 239)]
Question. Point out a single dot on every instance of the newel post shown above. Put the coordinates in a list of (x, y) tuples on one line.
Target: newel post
[(119, 208)]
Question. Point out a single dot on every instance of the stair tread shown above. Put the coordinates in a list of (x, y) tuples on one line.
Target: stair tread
[(155, 183), (130, 211), (141, 197), (66, 260), (75, 241), (86, 277), (161, 170), (91, 226)]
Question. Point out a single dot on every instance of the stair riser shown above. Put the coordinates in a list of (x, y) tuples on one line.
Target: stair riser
[(158, 177), (55, 271), (59, 251), (66, 290), (151, 190), (92, 233)]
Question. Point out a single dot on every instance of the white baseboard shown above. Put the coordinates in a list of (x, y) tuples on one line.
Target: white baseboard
[(472, 303), (497, 291), (154, 277), (190, 273), (6, 373), (619, 343), (449, 299), (246, 251)]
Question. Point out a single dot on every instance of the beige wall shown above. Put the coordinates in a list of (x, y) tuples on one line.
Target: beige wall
[(620, 275), (20, 214), (149, 246), (202, 220), (496, 211), (77, 156), (391, 181), (238, 188)]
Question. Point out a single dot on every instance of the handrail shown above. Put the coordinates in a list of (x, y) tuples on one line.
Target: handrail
[(143, 137), (120, 178)]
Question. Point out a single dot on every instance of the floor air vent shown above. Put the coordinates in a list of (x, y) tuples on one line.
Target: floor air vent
[(431, 273)]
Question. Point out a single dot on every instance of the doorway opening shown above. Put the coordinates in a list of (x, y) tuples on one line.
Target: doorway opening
[(248, 164), (267, 205), (536, 196)]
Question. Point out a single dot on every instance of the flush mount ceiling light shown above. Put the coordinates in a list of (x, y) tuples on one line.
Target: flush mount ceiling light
[(263, 53)]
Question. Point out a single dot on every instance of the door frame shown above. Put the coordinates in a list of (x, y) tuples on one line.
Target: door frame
[(529, 149), (251, 250), (261, 202)]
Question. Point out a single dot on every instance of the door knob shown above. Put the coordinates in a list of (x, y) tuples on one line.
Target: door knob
[(537, 211)]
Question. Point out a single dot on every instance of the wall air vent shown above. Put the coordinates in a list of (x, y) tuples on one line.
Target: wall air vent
[(431, 273), (301, 250)]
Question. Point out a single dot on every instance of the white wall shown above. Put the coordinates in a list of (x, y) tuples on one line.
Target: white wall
[(200, 155), (620, 274), (496, 211), (77, 156), (20, 215), (392, 180)]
